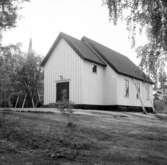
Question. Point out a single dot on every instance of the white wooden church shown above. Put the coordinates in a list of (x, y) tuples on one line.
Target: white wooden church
[(91, 74)]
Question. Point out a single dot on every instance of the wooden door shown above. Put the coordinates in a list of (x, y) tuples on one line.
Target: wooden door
[(62, 91)]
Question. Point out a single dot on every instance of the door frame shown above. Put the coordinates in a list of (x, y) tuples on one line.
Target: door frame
[(62, 81)]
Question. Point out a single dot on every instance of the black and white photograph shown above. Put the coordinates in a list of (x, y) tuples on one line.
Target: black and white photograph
[(83, 82)]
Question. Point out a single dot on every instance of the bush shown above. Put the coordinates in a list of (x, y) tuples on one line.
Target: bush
[(4, 104), (160, 105)]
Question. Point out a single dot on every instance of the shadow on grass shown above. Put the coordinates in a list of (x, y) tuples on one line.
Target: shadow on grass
[(16, 137)]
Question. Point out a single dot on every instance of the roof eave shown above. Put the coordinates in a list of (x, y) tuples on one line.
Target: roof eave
[(50, 50), (78, 52), (137, 78), (113, 67), (103, 65), (62, 36)]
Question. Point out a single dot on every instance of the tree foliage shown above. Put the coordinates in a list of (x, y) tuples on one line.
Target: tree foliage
[(9, 55), (153, 60), (163, 81), (29, 78), (19, 74), (10, 60), (140, 13), (149, 14), (8, 13)]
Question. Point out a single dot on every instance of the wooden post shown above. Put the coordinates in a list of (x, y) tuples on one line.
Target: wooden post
[(32, 103), (38, 95), (17, 101), (24, 101), (154, 111), (141, 101), (38, 98), (143, 107)]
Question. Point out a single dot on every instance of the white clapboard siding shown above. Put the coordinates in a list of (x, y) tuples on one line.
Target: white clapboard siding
[(93, 84), (110, 86), (99, 88), (63, 62), (132, 100), (106, 87)]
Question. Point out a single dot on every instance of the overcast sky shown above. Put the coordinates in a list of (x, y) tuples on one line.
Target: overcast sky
[(43, 20)]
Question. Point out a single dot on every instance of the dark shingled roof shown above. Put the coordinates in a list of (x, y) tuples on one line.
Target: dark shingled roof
[(78, 46), (120, 63), (94, 52)]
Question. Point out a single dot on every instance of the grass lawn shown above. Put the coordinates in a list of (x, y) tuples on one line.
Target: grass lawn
[(94, 139)]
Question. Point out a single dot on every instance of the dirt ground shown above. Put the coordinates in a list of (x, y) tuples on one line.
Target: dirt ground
[(86, 138)]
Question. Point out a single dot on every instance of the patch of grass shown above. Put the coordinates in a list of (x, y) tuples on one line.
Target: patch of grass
[(17, 136), (42, 139)]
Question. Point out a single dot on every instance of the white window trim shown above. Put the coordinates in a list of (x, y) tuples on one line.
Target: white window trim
[(127, 96), (93, 67), (138, 90)]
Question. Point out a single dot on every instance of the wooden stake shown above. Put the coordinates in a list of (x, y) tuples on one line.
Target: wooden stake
[(141, 101), (24, 100), (33, 103), (154, 111), (17, 101)]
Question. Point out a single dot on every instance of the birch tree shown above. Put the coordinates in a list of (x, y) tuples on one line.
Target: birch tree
[(144, 14)]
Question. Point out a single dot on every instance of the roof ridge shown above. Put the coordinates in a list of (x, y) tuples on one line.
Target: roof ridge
[(64, 35), (84, 37), (95, 52), (81, 49), (110, 55), (92, 50)]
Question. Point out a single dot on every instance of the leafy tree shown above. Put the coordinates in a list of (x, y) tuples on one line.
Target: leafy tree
[(149, 14), (10, 56), (8, 13), (163, 81), (152, 14), (10, 60), (153, 61), (19, 74), (29, 78)]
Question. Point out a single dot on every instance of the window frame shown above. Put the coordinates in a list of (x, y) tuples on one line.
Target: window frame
[(137, 89), (94, 68), (126, 86)]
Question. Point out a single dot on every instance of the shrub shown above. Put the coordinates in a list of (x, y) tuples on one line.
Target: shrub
[(159, 105)]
